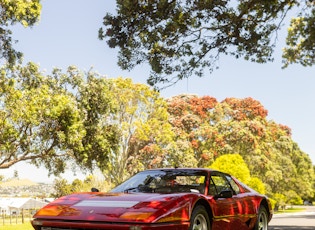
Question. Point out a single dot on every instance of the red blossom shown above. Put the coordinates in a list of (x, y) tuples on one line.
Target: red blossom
[(205, 156), (195, 144)]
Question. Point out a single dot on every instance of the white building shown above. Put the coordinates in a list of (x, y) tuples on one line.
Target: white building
[(13, 206)]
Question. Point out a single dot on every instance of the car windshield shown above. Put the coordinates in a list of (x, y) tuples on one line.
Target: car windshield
[(164, 181)]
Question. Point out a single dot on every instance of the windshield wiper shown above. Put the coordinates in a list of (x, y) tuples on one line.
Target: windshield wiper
[(139, 188)]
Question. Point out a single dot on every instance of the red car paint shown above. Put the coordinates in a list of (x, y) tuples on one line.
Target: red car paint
[(139, 210)]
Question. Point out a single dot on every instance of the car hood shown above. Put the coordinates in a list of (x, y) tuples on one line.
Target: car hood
[(120, 207)]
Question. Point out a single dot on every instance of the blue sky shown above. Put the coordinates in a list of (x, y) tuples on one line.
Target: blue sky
[(67, 35)]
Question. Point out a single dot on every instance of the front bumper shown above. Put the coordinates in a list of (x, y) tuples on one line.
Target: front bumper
[(83, 225)]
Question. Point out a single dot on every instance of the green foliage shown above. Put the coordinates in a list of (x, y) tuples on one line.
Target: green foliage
[(210, 129), (62, 187), (178, 154), (301, 38), (183, 38), (187, 116), (280, 201), (256, 184), (232, 164), (273, 203), (121, 127), (293, 198), (142, 118), (98, 123), (289, 197), (95, 102), (38, 119), (24, 12)]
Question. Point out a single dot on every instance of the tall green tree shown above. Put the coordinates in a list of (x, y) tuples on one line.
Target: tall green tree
[(212, 129), (38, 119), (61, 188), (267, 147), (94, 97), (180, 38), (142, 118), (187, 115), (24, 12)]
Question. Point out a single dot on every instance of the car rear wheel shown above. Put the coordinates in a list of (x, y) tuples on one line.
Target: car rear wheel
[(262, 219), (199, 219)]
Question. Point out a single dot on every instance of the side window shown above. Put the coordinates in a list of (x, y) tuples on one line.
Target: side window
[(234, 186), (212, 190), (218, 183)]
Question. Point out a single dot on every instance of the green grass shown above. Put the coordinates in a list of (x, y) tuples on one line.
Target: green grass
[(290, 210), (25, 226)]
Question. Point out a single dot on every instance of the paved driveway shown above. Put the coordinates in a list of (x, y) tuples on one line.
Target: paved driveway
[(296, 221)]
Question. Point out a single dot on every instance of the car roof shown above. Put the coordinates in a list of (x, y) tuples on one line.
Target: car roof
[(187, 169)]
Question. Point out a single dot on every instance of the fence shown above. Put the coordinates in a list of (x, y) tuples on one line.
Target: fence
[(16, 218)]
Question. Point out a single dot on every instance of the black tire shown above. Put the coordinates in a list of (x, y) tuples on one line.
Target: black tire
[(262, 219), (199, 219)]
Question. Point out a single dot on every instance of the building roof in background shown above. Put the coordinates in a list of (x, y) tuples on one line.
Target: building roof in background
[(21, 203)]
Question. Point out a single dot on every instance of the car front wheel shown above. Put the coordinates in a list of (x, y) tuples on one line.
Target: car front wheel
[(262, 219), (200, 219)]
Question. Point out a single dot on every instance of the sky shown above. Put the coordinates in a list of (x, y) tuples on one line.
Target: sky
[(67, 34)]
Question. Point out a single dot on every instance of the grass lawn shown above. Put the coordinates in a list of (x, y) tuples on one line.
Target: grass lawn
[(25, 226), (290, 210)]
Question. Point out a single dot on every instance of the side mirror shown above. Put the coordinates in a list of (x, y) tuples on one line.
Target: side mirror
[(224, 194), (94, 190)]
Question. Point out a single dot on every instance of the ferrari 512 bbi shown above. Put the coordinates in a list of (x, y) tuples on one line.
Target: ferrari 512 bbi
[(173, 198)]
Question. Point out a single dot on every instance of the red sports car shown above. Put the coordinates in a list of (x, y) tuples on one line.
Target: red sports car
[(162, 199)]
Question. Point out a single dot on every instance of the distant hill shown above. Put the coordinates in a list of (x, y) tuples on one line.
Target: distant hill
[(25, 188), (17, 183)]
